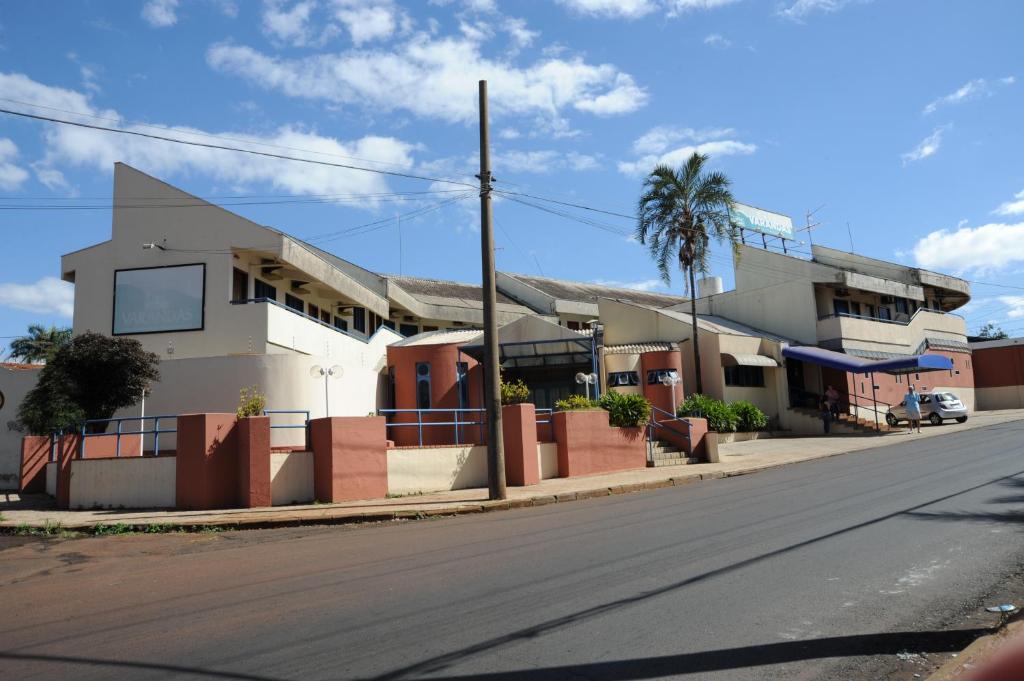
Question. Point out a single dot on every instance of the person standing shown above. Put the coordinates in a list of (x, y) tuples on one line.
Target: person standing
[(912, 403), (832, 395), (826, 414)]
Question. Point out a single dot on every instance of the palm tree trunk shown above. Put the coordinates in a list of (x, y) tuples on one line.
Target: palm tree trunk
[(693, 321)]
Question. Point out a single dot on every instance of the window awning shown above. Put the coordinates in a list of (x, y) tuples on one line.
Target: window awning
[(844, 362), (734, 359)]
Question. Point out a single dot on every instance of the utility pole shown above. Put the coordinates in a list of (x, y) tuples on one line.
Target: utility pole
[(492, 376)]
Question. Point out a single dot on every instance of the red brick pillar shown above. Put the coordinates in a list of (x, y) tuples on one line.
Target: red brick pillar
[(698, 438), (207, 462), (35, 453), (350, 459), (67, 449), (254, 462), (519, 430)]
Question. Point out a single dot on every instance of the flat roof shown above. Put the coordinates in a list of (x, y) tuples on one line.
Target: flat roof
[(584, 292)]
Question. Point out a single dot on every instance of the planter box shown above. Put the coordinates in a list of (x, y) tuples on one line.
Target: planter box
[(725, 438), (587, 445)]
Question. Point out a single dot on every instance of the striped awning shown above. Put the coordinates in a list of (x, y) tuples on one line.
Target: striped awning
[(734, 359)]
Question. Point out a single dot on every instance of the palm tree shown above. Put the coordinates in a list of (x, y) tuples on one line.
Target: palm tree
[(40, 345), (679, 212)]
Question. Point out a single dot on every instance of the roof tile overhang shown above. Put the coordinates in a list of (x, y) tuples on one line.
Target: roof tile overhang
[(639, 348)]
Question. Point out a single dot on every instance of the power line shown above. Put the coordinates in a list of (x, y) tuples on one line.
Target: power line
[(207, 145), (206, 204)]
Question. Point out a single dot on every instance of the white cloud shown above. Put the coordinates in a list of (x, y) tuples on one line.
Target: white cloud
[(509, 134), (368, 20), (928, 146), (969, 91), (160, 13), (619, 9), (437, 78), (288, 24), (228, 8), (717, 40), (522, 36), (48, 295), (655, 147), (989, 247), (642, 285), (1015, 305), (78, 147), (802, 8), (11, 175), (1015, 207)]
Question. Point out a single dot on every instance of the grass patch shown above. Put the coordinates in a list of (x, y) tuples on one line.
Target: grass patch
[(50, 528)]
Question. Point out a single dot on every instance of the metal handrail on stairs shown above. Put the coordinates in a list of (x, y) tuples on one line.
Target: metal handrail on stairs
[(668, 423)]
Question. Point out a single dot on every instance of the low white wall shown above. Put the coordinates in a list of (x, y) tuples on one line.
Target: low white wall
[(291, 478), (51, 479), (1005, 397), (547, 456), (436, 469), (129, 482)]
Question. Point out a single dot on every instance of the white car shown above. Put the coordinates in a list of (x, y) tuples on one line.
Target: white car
[(936, 407)]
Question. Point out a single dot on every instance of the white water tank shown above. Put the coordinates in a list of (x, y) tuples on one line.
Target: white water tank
[(709, 286)]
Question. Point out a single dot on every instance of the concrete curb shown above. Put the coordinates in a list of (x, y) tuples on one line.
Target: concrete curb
[(982, 649)]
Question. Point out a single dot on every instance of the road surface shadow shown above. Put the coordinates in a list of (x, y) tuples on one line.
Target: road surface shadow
[(618, 670), (1014, 517)]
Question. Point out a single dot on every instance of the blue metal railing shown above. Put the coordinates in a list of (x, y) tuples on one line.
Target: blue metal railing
[(304, 425), (84, 427), (548, 420), (654, 424), (419, 423)]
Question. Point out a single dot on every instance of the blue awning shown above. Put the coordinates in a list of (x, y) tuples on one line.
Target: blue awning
[(844, 362)]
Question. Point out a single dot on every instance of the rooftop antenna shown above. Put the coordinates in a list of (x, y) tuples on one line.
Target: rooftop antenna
[(811, 225), (540, 269), (850, 234), (398, 216)]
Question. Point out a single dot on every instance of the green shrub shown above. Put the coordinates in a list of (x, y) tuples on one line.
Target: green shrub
[(574, 402), (626, 411), (748, 417), (251, 402), (720, 417), (514, 392)]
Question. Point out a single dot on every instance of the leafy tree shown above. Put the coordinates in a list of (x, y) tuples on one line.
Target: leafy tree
[(40, 344), (992, 332), (679, 213), (90, 377)]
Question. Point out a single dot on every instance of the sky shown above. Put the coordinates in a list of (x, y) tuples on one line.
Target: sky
[(896, 121)]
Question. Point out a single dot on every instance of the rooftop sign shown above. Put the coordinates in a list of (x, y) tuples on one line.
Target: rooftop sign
[(757, 220)]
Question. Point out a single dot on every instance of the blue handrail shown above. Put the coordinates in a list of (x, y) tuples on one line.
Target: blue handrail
[(419, 422), (155, 431), (654, 424), (304, 424)]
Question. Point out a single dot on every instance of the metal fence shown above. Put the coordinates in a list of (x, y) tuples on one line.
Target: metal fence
[(419, 424), (304, 425), (668, 421), (90, 428)]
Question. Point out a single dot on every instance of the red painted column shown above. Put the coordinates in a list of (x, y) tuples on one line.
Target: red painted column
[(67, 449), (698, 438), (660, 395), (350, 459), (207, 461), (35, 453), (254, 462), (519, 429)]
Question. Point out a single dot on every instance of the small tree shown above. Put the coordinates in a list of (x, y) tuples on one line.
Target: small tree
[(40, 344), (992, 332), (90, 377)]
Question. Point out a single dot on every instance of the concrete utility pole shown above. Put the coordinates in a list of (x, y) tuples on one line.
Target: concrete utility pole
[(492, 376)]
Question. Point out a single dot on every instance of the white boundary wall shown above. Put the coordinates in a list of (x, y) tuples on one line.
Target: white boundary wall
[(436, 469), (291, 478), (547, 456), (51, 479), (127, 482)]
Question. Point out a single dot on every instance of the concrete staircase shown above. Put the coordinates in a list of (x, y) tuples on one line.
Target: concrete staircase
[(665, 454), (846, 424)]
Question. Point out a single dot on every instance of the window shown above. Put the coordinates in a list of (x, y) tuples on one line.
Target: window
[(340, 323), (854, 308), (423, 385), (902, 306), (388, 323), (654, 376), (429, 328), (313, 311), (264, 290), (744, 377), (869, 310), (884, 313), (359, 319), (408, 330), (462, 374), (841, 306), (294, 302), (325, 316), (621, 378), (239, 284), (575, 326)]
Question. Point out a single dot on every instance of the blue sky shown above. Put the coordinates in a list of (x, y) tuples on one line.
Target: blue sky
[(900, 118)]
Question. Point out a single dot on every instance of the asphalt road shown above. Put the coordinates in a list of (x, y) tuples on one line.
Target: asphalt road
[(792, 573)]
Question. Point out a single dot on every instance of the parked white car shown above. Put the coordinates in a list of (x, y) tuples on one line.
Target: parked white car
[(936, 407)]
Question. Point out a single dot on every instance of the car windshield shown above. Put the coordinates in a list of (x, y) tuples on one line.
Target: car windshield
[(946, 397)]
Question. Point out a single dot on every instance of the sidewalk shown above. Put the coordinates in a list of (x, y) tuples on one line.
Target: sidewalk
[(738, 458)]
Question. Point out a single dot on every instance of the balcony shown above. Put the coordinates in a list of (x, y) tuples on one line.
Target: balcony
[(849, 331), (279, 325)]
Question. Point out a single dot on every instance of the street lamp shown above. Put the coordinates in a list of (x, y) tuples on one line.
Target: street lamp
[(332, 372), (587, 380), (672, 379)]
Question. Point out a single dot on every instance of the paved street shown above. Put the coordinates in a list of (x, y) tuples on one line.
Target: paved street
[(785, 574)]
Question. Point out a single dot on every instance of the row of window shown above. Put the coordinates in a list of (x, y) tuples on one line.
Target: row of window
[(626, 378), (902, 306), (738, 376)]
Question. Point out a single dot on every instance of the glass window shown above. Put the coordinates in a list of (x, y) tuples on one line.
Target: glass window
[(855, 308), (462, 373), (388, 323), (884, 313), (902, 306), (340, 323), (841, 306), (423, 385), (654, 376), (264, 290), (359, 319), (869, 310), (314, 311), (408, 330), (744, 376), (623, 378), (429, 328), (239, 284), (294, 302), (325, 316)]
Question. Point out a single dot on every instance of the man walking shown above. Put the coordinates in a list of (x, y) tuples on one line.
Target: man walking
[(912, 402)]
